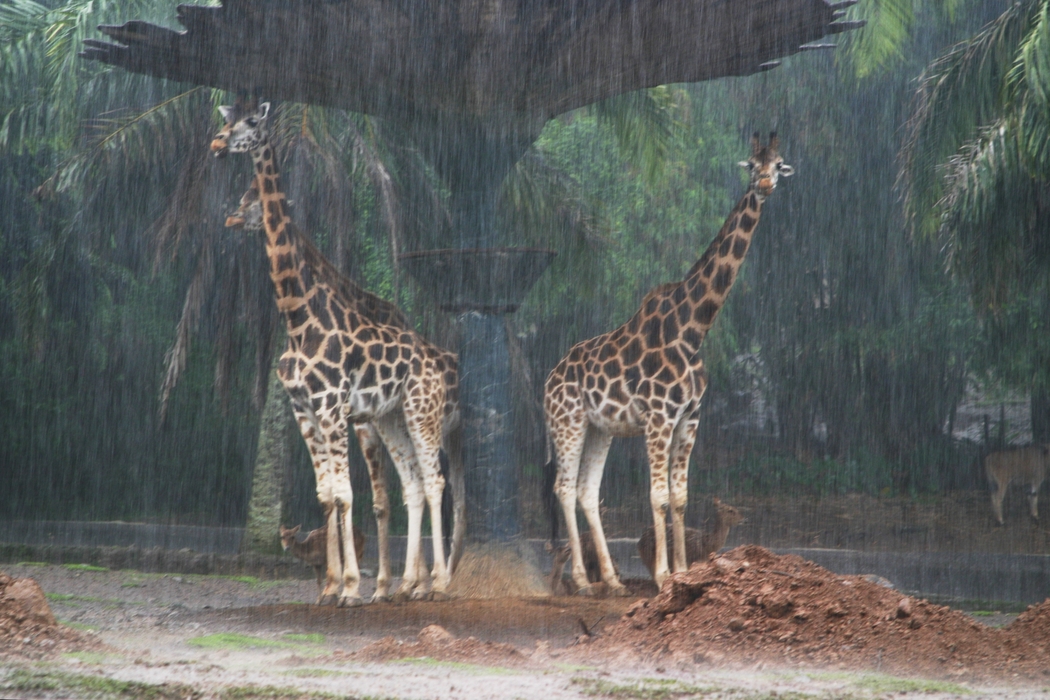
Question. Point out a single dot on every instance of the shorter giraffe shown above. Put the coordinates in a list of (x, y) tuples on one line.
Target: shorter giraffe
[(647, 378), (248, 217), (344, 367)]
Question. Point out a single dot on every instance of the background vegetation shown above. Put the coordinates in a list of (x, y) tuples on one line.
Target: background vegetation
[(907, 259)]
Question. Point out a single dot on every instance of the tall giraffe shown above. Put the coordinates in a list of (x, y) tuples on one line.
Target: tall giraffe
[(647, 378), (342, 367), (248, 216)]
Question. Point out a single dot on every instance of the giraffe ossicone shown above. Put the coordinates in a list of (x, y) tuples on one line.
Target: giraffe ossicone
[(647, 378), (353, 359)]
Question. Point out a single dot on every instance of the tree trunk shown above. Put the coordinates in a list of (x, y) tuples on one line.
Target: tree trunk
[(1040, 404), (277, 433)]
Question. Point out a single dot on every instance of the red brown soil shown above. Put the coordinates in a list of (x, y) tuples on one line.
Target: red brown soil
[(27, 626), (435, 642), (750, 606)]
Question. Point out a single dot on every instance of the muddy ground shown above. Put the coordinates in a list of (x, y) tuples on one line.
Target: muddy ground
[(730, 631), (207, 636)]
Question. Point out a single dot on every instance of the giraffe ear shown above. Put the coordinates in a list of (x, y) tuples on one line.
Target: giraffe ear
[(227, 112), (785, 170), (263, 111)]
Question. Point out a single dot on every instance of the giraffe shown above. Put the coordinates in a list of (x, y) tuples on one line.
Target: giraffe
[(342, 366), (646, 378), (248, 217)]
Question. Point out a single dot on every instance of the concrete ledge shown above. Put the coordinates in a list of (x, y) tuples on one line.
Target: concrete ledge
[(972, 576)]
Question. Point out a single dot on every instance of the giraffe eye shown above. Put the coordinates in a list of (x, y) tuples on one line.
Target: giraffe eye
[(251, 122)]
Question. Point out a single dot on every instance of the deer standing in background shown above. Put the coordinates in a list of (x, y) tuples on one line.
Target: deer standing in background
[(698, 545), (313, 549)]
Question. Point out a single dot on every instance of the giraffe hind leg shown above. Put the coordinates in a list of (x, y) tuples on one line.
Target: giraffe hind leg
[(682, 447), (568, 442), (592, 467), (371, 449), (657, 442), (395, 436)]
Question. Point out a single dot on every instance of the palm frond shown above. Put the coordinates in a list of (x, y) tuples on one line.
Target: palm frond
[(647, 125), (960, 92), (882, 40), (189, 322)]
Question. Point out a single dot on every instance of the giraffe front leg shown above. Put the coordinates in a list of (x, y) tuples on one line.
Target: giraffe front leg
[(592, 467), (344, 499), (370, 444), (657, 440), (333, 571), (324, 483), (682, 447)]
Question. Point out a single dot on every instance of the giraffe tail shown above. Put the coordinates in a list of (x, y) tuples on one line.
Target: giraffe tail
[(550, 502), (447, 501), (455, 479)]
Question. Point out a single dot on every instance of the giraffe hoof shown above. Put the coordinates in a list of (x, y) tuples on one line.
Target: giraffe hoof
[(618, 591), (591, 590), (421, 595), (329, 599), (380, 598), (440, 597), (351, 602)]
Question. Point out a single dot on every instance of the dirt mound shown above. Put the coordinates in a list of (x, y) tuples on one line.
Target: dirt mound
[(27, 626), (751, 606), (435, 642), (490, 571)]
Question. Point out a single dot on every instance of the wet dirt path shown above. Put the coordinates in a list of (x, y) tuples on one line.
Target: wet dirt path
[(210, 636)]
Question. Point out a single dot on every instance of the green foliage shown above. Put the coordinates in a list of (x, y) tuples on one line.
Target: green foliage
[(975, 168)]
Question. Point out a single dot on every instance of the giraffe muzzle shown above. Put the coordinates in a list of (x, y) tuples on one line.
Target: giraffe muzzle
[(219, 147)]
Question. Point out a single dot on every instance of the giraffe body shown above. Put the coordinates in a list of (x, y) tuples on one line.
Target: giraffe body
[(353, 360), (647, 378)]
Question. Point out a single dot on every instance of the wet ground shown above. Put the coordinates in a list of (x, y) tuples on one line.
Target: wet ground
[(209, 636)]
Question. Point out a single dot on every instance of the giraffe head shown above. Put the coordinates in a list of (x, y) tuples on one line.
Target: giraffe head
[(765, 165), (245, 129), (248, 215)]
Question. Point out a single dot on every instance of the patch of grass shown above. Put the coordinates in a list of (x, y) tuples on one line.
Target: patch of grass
[(54, 683), (984, 613), (250, 580), (88, 657), (574, 668), (877, 683), (270, 692), (458, 666), (232, 640), (79, 626), (642, 689), (71, 599), (32, 563), (84, 567), (308, 638), (314, 673)]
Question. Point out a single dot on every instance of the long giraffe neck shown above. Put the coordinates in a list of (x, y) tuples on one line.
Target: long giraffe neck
[(708, 282), (291, 280)]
